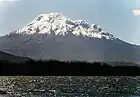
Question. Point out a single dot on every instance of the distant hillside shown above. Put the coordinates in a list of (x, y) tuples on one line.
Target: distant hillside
[(12, 58), (121, 63)]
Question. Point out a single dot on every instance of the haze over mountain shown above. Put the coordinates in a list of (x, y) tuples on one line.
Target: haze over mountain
[(54, 36)]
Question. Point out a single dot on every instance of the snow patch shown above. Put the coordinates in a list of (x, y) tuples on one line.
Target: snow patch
[(60, 25)]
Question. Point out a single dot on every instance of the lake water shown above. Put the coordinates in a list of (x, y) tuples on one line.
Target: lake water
[(72, 86), (64, 95)]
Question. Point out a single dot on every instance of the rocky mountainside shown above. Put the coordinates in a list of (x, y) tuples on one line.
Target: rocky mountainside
[(54, 36), (8, 57)]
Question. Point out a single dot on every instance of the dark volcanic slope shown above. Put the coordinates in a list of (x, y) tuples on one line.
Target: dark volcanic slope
[(69, 48), (12, 58)]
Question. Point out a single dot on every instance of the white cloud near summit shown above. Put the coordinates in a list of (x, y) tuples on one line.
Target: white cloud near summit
[(136, 12)]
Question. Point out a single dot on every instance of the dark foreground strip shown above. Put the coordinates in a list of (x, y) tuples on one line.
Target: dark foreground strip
[(64, 68)]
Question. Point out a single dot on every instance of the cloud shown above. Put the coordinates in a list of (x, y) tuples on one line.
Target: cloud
[(136, 12), (9, 0)]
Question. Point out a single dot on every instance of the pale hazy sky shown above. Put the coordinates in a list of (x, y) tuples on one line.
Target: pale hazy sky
[(120, 17)]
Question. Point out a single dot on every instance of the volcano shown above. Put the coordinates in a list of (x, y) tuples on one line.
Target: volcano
[(54, 36)]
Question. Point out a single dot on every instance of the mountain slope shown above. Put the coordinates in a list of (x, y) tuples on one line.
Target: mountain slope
[(57, 37), (9, 57)]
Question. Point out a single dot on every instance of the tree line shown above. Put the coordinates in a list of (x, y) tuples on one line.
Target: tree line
[(54, 67)]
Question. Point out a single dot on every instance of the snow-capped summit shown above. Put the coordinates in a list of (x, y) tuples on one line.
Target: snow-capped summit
[(54, 36), (60, 25)]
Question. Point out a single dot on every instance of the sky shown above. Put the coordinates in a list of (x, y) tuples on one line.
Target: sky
[(119, 17)]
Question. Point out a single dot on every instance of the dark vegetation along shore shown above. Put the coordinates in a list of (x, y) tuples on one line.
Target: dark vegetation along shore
[(53, 67)]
